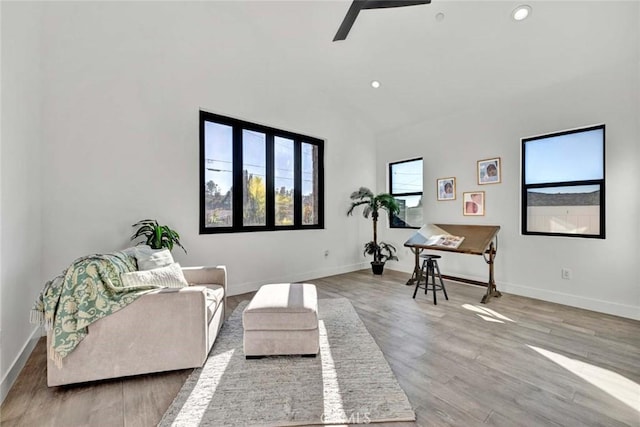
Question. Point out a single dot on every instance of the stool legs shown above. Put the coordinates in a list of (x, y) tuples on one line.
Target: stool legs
[(427, 273), (423, 273), (433, 281), (429, 268), (419, 277), (441, 282)]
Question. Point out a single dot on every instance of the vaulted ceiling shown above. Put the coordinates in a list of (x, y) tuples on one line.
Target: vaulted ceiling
[(431, 65), (432, 60)]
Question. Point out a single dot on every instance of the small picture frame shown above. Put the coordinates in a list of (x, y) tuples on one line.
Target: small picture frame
[(473, 203), (489, 171), (446, 188)]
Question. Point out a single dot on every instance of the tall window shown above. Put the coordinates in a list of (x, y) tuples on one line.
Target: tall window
[(563, 183), (257, 178), (405, 185)]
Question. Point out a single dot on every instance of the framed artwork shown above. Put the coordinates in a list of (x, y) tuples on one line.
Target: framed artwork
[(473, 203), (489, 171), (446, 188)]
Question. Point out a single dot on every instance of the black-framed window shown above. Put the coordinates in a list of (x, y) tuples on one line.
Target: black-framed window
[(405, 185), (258, 178), (563, 183)]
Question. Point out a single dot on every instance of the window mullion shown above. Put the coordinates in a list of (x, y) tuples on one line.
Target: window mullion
[(297, 183), (237, 189), (320, 173), (406, 194), (203, 166), (270, 191), (603, 223), (566, 183)]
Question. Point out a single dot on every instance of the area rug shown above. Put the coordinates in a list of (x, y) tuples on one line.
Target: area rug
[(349, 382)]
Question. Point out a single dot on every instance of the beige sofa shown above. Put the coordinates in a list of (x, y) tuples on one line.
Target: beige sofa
[(163, 330)]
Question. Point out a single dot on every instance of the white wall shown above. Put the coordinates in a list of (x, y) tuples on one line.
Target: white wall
[(123, 86), (100, 109), (21, 185), (605, 273)]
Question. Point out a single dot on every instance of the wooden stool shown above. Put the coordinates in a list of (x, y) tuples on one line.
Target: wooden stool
[(429, 268)]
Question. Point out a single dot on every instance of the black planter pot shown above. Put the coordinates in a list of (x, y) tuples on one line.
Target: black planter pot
[(377, 267)]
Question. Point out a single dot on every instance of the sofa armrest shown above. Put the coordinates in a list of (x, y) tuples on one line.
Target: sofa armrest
[(207, 276)]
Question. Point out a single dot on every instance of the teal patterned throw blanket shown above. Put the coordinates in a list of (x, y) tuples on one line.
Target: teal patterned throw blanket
[(88, 290)]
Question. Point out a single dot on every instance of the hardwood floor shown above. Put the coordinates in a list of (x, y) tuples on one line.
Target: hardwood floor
[(515, 361)]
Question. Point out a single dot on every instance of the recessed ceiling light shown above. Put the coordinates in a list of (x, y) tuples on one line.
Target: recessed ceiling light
[(375, 84), (521, 12)]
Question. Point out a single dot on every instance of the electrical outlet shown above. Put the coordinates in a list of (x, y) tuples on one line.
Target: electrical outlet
[(566, 273), (326, 252)]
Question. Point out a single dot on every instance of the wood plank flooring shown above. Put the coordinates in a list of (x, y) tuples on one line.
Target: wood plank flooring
[(513, 362)]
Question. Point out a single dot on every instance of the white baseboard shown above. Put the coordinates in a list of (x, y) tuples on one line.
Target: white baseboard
[(242, 288), (19, 362), (601, 306)]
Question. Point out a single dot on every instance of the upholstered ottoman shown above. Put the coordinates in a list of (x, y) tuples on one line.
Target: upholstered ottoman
[(282, 319)]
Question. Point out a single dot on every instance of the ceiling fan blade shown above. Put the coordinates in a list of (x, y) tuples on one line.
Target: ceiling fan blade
[(381, 4), (358, 5), (349, 19)]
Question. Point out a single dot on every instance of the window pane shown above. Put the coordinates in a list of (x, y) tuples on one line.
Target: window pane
[(283, 180), (254, 161), (406, 177), (309, 184), (572, 210), (410, 212), (571, 157), (218, 174)]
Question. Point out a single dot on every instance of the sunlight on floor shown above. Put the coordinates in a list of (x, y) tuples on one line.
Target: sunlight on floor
[(331, 388), (490, 319), (220, 363), (487, 314), (622, 388)]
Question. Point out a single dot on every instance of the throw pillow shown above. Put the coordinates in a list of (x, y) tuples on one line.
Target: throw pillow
[(148, 258), (131, 251), (170, 276)]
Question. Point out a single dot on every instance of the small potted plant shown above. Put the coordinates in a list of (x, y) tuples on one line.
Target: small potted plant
[(158, 236), (381, 251)]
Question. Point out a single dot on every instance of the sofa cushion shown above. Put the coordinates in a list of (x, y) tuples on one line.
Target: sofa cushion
[(170, 276)]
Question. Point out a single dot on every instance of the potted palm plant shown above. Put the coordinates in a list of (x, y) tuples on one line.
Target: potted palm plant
[(157, 236), (373, 204)]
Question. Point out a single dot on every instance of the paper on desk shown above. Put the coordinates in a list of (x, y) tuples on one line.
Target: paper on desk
[(431, 235)]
